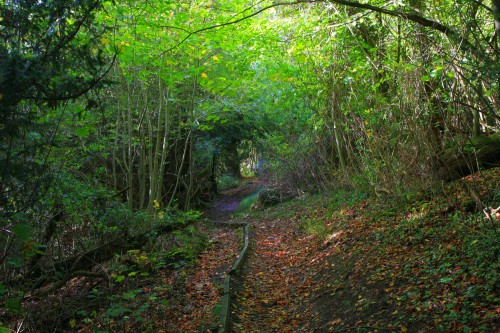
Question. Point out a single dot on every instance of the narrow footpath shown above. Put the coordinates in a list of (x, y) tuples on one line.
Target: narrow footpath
[(193, 304), (276, 285), (374, 266), (229, 201)]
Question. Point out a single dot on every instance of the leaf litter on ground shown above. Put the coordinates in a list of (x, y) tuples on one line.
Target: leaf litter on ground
[(347, 262), (364, 265)]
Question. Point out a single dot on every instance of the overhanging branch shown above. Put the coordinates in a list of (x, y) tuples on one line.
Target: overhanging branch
[(233, 22), (452, 34)]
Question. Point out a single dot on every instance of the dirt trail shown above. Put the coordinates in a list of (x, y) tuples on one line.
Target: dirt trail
[(276, 284), (362, 274), (273, 288), (229, 200), (198, 290)]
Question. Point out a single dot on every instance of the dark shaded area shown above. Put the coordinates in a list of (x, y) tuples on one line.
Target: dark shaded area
[(229, 200), (479, 153)]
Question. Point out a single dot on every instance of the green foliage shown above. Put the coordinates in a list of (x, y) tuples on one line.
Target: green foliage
[(126, 308), (48, 53), (122, 218), (246, 203), (191, 243), (457, 255), (326, 96), (227, 182), (13, 304), (22, 232)]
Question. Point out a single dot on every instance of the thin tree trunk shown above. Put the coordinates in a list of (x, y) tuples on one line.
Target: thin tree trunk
[(164, 151), (337, 135), (130, 153), (495, 6)]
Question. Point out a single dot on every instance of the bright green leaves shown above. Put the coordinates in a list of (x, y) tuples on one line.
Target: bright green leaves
[(213, 121), (82, 132), (119, 278), (438, 73), (425, 78)]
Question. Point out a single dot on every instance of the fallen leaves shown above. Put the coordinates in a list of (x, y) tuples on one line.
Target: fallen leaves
[(377, 266), (275, 287), (197, 289)]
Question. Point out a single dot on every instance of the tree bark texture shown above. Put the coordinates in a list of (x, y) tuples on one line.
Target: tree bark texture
[(480, 153)]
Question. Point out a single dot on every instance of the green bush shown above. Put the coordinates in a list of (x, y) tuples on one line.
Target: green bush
[(246, 203), (227, 182)]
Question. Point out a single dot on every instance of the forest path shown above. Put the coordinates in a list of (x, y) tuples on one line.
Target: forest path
[(351, 264), (355, 264), (229, 200), (193, 304), (275, 288)]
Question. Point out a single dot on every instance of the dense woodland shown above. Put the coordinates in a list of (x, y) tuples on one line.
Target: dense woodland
[(120, 120)]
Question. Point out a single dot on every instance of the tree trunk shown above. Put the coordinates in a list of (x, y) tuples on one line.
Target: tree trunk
[(481, 152), (495, 6)]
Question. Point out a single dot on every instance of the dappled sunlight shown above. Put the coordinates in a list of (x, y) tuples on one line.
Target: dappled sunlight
[(358, 140)]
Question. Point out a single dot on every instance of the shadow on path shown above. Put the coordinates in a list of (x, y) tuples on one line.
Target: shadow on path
[(228, 201)]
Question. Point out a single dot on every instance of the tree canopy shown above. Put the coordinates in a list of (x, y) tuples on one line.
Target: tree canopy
[(118, 118)]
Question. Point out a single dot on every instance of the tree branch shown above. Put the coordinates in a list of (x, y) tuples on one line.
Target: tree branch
[(452, 34), (220, 25), (61, 283)]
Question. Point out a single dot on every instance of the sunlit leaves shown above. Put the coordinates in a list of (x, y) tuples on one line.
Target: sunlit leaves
[(82, 132)]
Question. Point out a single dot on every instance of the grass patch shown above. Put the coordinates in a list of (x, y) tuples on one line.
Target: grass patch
[(247, 203)]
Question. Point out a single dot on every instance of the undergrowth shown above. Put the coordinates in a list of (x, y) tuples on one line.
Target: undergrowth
[(246, 203), (425, 261)]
